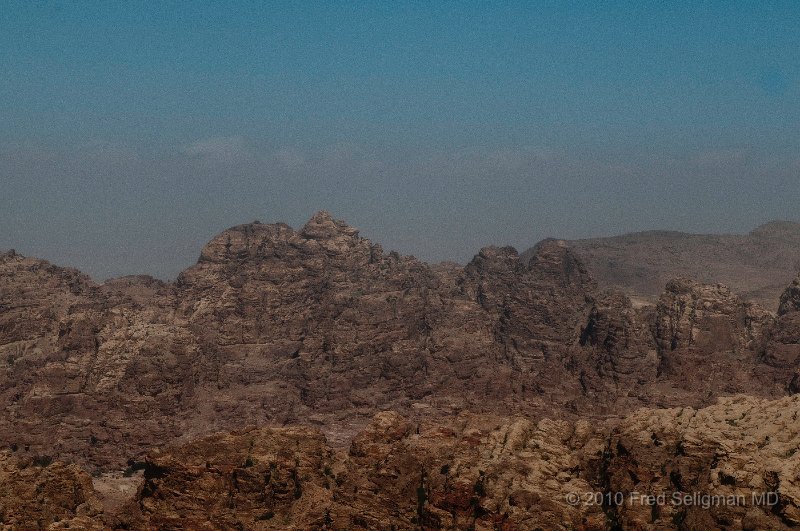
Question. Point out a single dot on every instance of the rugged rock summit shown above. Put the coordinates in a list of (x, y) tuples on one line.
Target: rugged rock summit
[(274, 325)]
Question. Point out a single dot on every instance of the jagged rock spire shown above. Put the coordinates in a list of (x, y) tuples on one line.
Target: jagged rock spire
[(323, 226)]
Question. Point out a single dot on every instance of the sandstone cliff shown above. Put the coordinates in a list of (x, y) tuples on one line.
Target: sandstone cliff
[(310, 332), (321, 326)]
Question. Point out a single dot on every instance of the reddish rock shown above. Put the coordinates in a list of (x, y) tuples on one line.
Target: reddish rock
[(276, 326), (37, 493)]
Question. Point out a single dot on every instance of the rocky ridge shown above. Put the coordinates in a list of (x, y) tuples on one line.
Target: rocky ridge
[(317, 329), (756, 265), (319, 325)]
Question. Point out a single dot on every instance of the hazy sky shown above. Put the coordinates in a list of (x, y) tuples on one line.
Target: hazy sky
[(132, 132)]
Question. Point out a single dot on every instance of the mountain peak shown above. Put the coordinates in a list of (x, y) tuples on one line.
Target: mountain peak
[(323, 226), (322, 216)]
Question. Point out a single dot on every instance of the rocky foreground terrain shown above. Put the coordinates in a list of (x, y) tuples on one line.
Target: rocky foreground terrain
[(306, 379), (733, 465)]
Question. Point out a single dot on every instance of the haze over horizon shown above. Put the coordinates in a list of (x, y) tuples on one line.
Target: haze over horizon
[(132, 133)]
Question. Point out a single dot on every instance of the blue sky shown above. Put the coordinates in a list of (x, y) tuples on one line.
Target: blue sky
[(132, 132)]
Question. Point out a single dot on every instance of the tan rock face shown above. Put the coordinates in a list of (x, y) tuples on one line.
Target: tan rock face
[(740, 449), (546, 299), (481, 472), (487, 472), (658, 469), (782, 341), (709, 341), (36, 297)]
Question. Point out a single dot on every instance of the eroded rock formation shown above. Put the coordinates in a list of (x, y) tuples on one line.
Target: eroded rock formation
[(317, 329), (36, 493), (655, 469)]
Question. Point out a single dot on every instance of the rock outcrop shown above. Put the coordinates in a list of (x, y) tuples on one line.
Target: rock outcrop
[(36, 493), (319, 326), (730, 466), (707, 318), (790, 298), (502, 389), (781, 341), (656, 469), (276, 478), (709, 341)]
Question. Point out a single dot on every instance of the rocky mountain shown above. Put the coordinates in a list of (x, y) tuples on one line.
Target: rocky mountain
[(261, 368), (757, 265)]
